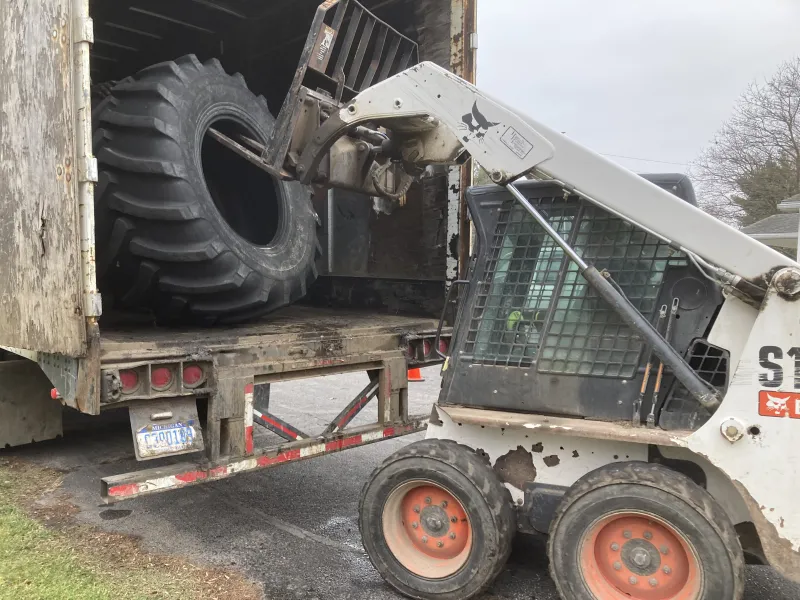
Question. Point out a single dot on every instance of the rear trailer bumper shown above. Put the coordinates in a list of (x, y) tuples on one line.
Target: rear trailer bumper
[(151, 481)]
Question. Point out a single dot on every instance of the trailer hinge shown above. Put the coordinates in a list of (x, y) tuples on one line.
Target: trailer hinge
[(87, 169), (83, 30)]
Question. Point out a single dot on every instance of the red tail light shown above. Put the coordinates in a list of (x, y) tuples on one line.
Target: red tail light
[(443, 346), (160, 378), (426, 348), (193, 376), (129, 380)]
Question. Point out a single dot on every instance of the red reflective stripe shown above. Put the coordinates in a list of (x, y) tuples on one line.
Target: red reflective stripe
[(248, 439), (248, 389), (343, 443), (344, 420), (191, 476), (265, 461), (126, 489), (279, 426)]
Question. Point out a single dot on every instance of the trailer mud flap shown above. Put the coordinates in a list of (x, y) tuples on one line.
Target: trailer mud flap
[(166, 428)]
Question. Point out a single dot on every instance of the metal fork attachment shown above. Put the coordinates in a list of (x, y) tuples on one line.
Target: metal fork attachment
[(606, 289)]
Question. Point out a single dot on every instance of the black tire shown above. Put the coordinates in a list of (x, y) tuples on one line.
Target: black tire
[(487, 509), (662, 498), (185, 227)]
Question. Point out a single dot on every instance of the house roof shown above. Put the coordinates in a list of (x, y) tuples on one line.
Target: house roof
[(787, 223)]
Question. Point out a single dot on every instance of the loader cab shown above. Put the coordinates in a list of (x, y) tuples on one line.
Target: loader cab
[(533, 336)]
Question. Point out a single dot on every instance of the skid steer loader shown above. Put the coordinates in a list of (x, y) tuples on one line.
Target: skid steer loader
[(624, 374)]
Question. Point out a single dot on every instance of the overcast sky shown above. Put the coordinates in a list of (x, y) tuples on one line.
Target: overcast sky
[(650, 79)]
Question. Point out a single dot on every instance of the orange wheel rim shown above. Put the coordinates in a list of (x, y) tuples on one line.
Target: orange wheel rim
[(633, 556), (427, 529)]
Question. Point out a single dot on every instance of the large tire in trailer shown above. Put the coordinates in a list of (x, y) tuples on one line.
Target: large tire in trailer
[(186, 227)]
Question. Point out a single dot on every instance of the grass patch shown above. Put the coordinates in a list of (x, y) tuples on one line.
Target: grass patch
[(45, 555)]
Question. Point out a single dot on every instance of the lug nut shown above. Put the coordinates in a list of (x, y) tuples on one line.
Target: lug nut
[(664, 550), (415, 524), (627, 535), (633, 580), (648, 535), (653, 582), (615, 547), (444, 503), (428, 500), (440, 544), (617, 566), (666, 570), (416, 509), (454, 519), (424, 539), (452, 535)]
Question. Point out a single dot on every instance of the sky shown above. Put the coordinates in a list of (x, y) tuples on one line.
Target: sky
[(649, 79)]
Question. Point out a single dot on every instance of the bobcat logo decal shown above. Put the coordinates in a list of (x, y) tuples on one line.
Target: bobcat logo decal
[(476, 124)]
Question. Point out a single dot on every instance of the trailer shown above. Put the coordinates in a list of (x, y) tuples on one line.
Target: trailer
[(194, 394)]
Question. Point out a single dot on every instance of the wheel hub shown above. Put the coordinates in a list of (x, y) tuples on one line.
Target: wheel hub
[(435, 521), (641, 557), (638, 557)]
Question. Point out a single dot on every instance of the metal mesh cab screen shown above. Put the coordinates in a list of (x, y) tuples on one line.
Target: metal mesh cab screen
[(522, 271), (533, 305)]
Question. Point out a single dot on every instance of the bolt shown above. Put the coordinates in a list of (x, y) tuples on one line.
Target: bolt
[(627, 535), (648, 535), (617, 566), (731, 431), (415, 524), (666, 570), (444, 503), (640, 557), (664, 550), (68, 162), (424, 539), (64, 38), (301, 169), (398, 103), (633, 580), (440, 544), (615, 547), (454, 519), (416, 509), (497, 176), (452, 535), (69, 177), (653, 582), (428, 500), (54, 34)]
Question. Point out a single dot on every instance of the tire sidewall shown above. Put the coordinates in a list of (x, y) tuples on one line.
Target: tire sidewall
[(215, 96), (485, 543), (711, 553)]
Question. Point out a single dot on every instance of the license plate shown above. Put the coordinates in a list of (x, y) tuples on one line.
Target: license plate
[(173, 438), (166, 428)]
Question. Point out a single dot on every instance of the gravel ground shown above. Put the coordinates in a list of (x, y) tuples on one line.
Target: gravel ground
[(293, 528)]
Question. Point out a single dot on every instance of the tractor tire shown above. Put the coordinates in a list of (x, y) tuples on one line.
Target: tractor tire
[(436, 521), (186, 228), (639, 531)]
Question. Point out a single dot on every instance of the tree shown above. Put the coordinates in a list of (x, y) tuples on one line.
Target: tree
[(753, 162)]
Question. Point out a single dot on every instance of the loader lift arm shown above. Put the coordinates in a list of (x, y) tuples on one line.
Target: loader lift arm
[(434, 117)]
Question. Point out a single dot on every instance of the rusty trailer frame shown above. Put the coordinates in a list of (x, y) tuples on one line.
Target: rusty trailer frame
[(297, 343)]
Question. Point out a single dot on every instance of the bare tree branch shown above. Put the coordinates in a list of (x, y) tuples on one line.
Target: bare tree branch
[(753, 161)]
